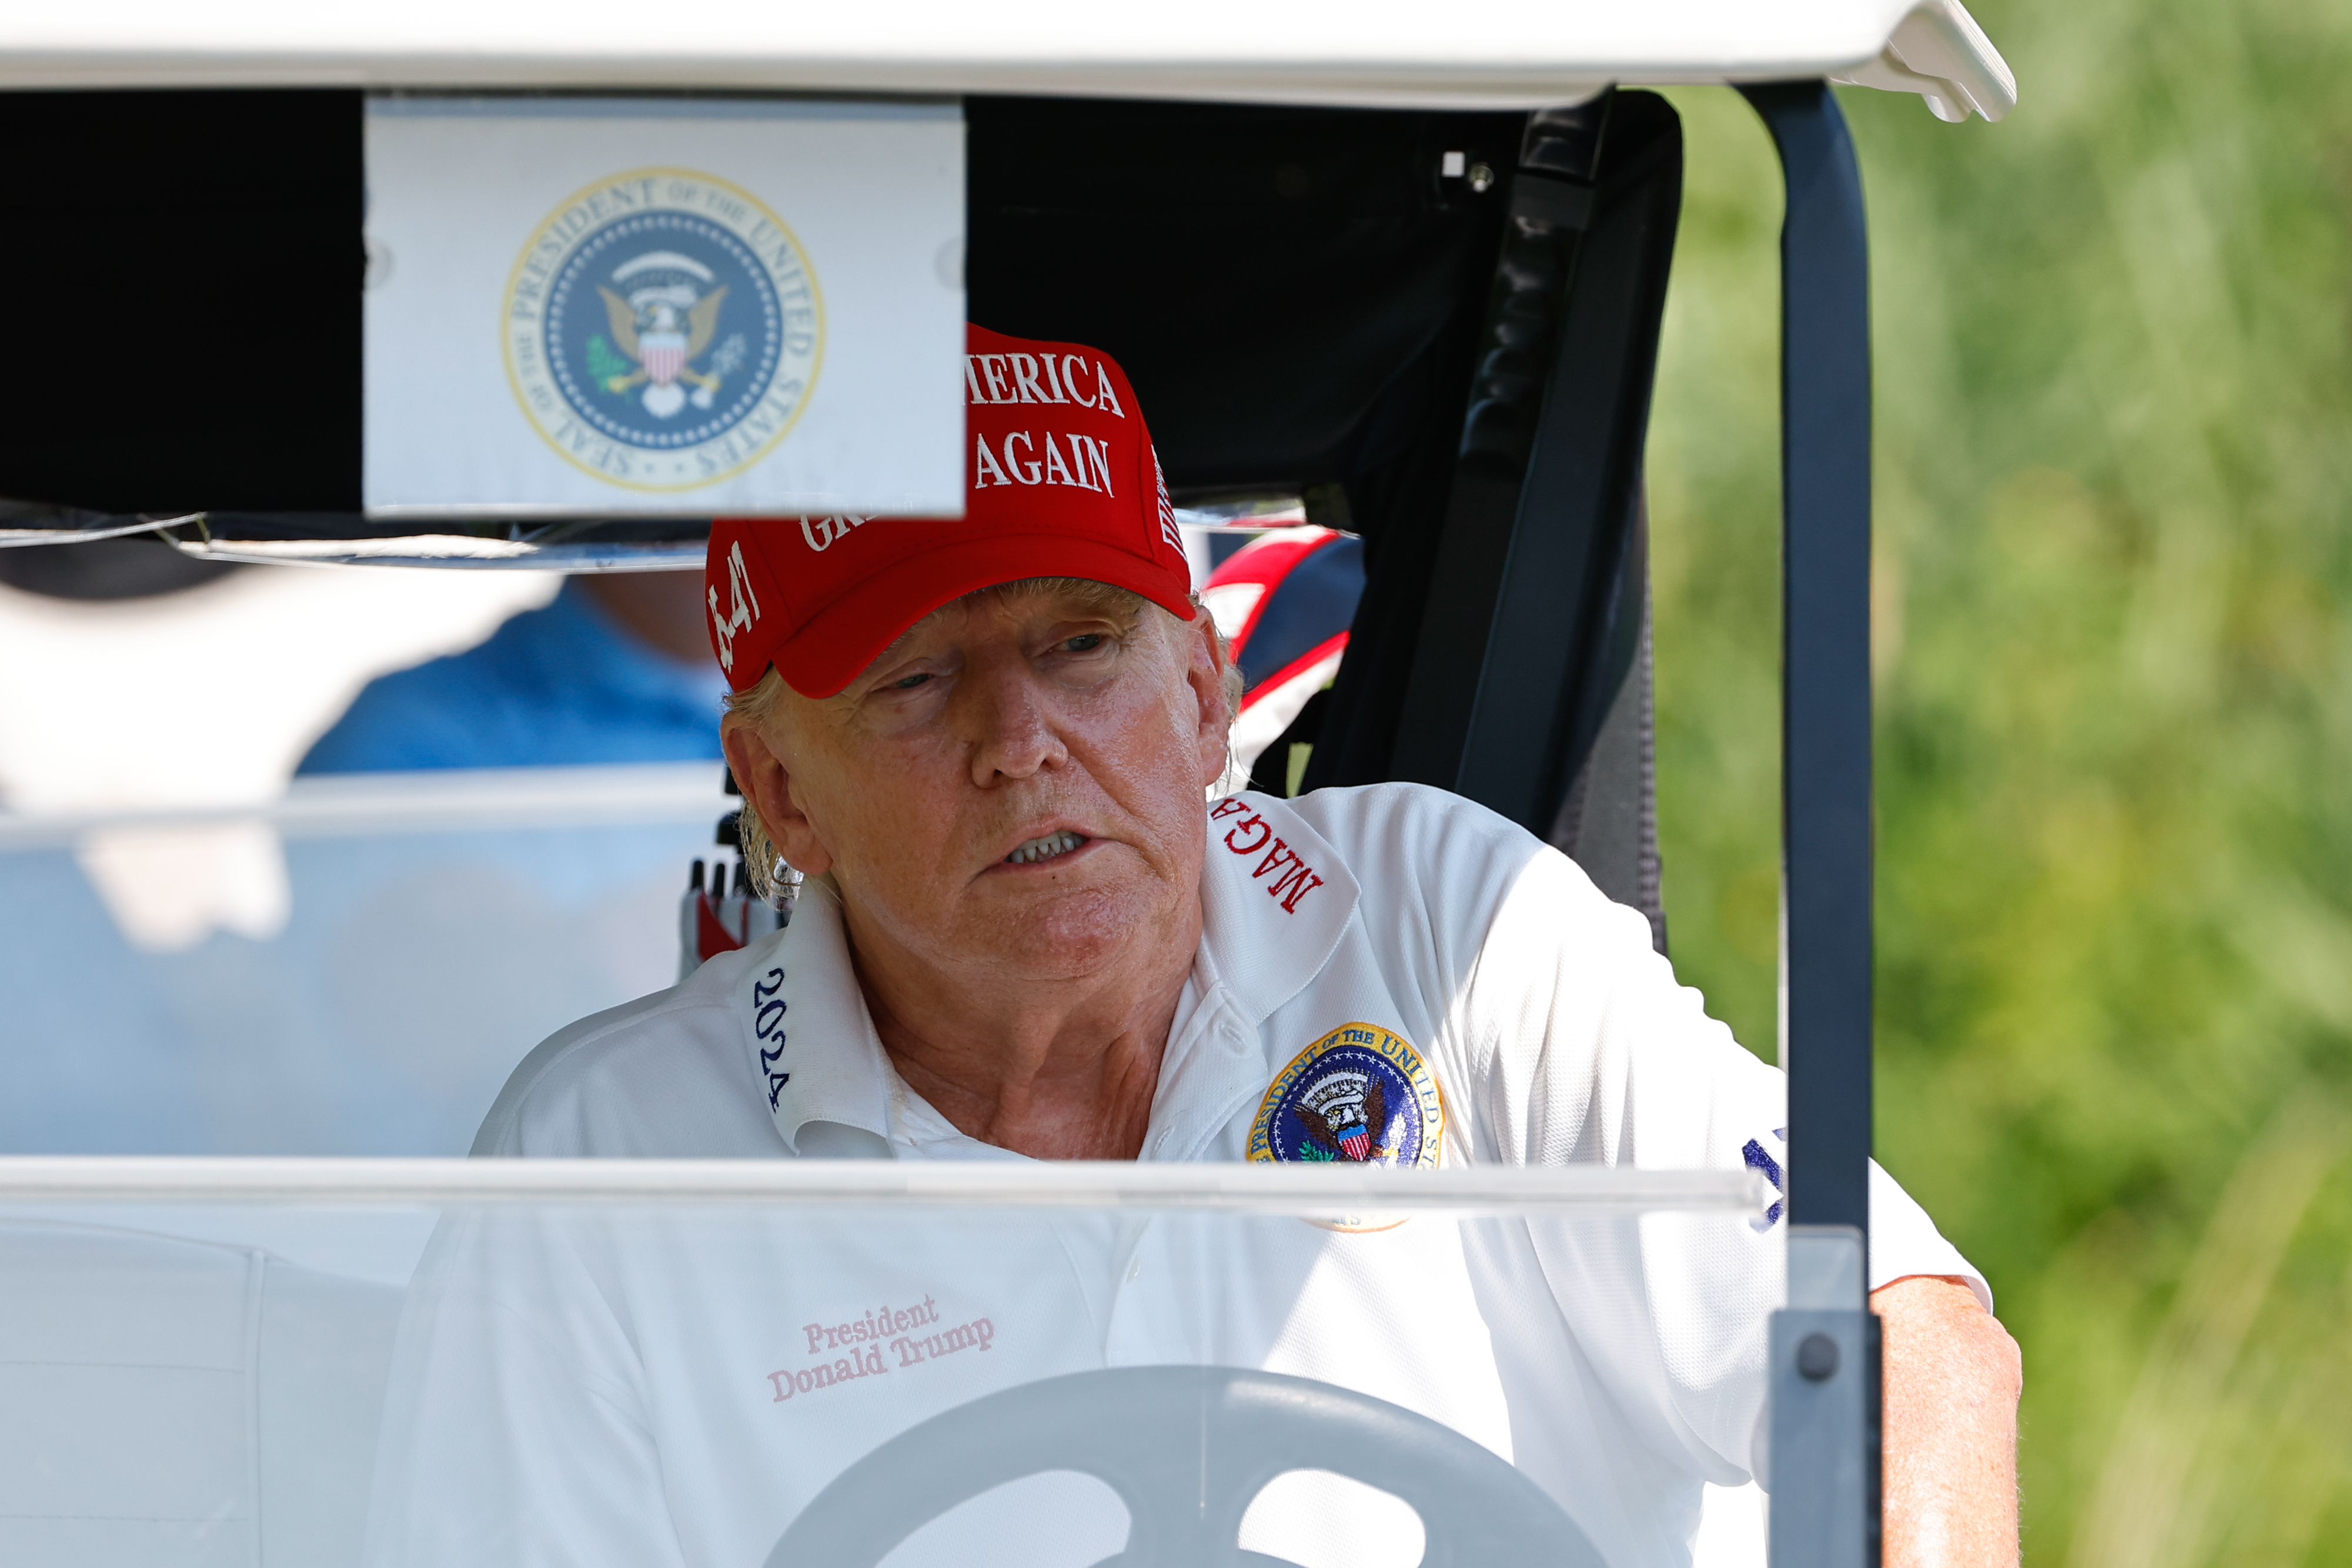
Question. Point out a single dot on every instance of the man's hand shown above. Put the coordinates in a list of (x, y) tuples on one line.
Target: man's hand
[(1953, 1377)]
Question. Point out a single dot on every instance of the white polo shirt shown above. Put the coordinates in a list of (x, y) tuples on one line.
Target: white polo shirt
[(1388, 973)]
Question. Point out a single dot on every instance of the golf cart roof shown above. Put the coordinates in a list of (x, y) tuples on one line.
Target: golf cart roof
[(1519, 54)]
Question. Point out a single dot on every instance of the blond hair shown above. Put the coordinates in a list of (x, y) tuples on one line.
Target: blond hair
[(755, 707)]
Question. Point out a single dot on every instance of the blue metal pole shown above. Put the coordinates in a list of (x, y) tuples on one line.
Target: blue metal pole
[(1824, 1372)]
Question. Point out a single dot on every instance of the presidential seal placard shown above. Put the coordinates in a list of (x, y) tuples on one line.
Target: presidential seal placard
[(583, 307), (663, 330), (1360, 1093)]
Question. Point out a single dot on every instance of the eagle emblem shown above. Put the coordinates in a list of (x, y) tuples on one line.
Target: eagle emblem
[(662, 329), (1341, 1110), (661, 326), (1361, 1094)]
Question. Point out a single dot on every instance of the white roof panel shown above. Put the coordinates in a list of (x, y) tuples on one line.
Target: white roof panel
[(1508, 54)]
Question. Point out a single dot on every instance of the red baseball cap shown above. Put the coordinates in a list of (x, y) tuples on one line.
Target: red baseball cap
[(1062, 482)]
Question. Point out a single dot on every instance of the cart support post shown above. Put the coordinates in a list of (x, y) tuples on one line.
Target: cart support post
[(1825, 1381)]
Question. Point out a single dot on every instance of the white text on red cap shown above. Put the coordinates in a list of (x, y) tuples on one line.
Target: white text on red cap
[(1168, 529), (824, 531), (1088, 462), (1040, 378), (740, 613)]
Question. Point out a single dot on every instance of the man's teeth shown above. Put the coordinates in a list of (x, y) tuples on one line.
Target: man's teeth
[(1046, 849)]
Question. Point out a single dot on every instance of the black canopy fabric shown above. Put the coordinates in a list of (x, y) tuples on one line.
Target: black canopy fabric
[(185, 268), (188, 268), (1295, 293), (1307, 301)]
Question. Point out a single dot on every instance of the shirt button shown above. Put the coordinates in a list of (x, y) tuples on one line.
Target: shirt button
[(1135, 1269)]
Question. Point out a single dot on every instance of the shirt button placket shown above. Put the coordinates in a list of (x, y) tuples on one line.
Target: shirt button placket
[(1127, 1342)]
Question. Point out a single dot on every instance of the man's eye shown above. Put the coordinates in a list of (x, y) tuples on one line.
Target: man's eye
[(909, 684), (1084, 642)]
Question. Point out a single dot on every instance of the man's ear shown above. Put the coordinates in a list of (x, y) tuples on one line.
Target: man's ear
[(766, 785), (1206, 677)]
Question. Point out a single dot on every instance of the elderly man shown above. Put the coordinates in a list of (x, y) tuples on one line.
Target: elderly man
[(1024, 934)]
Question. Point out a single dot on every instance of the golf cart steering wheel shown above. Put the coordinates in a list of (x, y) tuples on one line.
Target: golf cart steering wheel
[(1187, 1448)]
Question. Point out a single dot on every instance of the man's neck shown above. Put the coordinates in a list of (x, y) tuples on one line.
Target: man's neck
[(1063, 1070)]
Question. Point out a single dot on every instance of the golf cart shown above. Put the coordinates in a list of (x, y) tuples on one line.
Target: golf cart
[(1439, 341)]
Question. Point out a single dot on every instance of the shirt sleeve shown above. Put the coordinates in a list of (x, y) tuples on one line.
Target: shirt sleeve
[(514, 1431), (1582, 1048)]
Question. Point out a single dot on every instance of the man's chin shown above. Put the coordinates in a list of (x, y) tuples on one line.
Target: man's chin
[(1049, 932)]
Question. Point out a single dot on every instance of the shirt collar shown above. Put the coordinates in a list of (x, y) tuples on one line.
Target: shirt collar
[(819, 1060), (1274, 901)]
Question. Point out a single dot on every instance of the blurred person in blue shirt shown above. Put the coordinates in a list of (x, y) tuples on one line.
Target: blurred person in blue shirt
[(616, 669)]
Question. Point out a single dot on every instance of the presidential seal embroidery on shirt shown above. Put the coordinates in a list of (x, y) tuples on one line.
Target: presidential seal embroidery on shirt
[(662, 329), (1363, 1093)]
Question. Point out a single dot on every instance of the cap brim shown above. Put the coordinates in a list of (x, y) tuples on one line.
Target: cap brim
[(837, 643)]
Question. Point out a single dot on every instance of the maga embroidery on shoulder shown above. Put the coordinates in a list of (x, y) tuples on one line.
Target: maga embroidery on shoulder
[(1252, 836)]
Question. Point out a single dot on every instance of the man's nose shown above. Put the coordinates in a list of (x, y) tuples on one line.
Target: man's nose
[(1013, 729)]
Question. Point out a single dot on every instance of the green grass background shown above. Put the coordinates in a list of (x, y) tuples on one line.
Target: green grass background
[(2113, 662)]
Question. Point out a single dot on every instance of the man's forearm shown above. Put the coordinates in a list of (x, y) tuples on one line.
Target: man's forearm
[(1953, 1377)]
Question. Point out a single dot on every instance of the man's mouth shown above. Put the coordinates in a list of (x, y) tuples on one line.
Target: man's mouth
[(1046, 848)]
